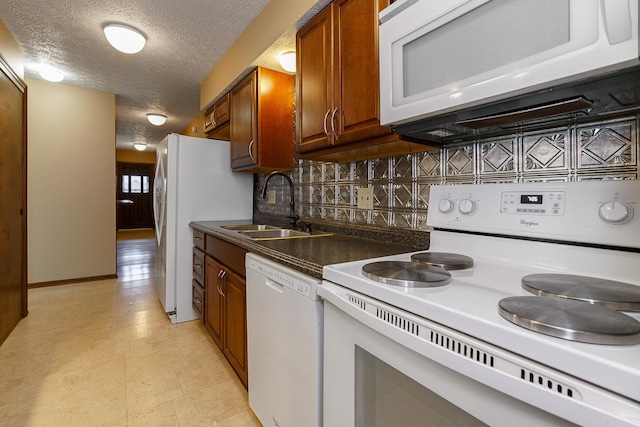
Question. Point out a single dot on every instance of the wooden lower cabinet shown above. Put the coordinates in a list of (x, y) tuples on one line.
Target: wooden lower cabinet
[(234, 343), (226, 313)]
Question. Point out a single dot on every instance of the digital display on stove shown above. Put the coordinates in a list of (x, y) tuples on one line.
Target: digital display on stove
[(539, 203), (531, 199)]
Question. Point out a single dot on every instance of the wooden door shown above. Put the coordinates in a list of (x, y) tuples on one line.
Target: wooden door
[(356, 71), (235, 335), (134, 195), (315, 84), (244, 146), (13, 226), (213, 299)]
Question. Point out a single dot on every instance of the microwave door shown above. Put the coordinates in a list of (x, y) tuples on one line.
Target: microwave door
[(435, 59)]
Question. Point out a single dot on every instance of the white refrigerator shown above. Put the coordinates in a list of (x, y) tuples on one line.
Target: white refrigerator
[(193, 182)]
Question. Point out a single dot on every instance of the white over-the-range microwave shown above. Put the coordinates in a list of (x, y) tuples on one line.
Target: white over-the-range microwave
[(441, 57)]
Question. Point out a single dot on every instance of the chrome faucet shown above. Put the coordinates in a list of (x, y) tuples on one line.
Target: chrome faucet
[(293, 218)]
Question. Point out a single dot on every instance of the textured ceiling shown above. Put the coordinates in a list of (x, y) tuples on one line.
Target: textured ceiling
[(185, 39)]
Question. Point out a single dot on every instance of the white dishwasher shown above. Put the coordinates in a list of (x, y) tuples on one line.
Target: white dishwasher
[(284, 344)]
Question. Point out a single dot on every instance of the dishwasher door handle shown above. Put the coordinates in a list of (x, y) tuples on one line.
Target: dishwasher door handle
[(278, 287)]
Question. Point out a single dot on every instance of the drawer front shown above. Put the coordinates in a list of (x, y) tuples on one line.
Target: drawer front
[(198, 239), (227, 253), (197, 299), (198, 265)]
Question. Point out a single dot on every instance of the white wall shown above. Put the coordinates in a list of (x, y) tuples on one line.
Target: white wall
[(71, 182)]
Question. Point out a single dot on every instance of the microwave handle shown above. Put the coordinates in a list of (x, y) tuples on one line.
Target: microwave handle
[(617, 20)]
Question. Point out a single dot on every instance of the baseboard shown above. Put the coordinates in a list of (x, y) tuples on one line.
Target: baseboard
[(70, 281)]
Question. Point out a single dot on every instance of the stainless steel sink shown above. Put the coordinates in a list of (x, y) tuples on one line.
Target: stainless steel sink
[(248, 227), (269, 232), (275, 234)]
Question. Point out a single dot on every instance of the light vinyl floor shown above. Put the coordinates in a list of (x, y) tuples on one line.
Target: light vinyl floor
[(104, 353)]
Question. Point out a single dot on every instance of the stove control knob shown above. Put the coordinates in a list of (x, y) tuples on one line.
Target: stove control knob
[(615, 212), (467, 207), (446, 206)]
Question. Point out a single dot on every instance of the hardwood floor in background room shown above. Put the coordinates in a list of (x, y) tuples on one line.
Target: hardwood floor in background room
[(104, 353)]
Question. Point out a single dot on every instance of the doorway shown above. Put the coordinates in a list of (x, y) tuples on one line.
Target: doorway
[(134, 195)]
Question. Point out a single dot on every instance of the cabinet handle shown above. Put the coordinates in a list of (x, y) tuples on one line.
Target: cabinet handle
[(197, 238), (221, 275), (251, 152), (333, 128), (196, 265), (197, 300), (212, 118), (324, 124)]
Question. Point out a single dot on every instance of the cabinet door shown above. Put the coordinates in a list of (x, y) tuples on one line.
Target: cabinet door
[(221, 111), (243, 123), (356, 72), (216, 119), (214, 303), (235, 335), (338, 76), (315, 84)]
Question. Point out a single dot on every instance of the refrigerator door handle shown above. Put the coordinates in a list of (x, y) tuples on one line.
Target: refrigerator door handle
[(159, 197)]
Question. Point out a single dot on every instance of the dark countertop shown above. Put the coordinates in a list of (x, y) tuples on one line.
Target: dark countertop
[(308, 255)]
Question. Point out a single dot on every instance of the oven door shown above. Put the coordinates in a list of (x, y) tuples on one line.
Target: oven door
[(375, 379)]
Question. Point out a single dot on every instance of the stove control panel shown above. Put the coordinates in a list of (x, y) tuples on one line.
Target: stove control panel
[(533, 203), (597, 212)]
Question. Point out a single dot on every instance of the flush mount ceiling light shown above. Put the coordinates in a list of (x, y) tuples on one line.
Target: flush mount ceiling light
[(288, 61), (139, 146), (123, 38), (49, 73), (156, 119)]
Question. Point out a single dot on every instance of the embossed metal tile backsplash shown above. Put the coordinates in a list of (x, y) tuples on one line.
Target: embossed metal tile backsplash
[(603, 150)]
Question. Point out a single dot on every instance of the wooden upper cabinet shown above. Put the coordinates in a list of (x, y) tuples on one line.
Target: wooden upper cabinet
[(216, 119), (262, 122), (315, 82), (244, 122), (338, 87), (338, 77)]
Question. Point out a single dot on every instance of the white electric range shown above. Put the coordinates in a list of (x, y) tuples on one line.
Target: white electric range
[(534, 319)]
